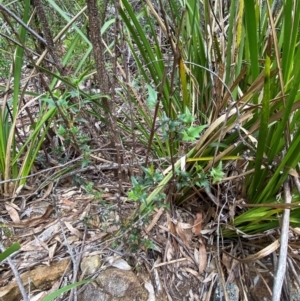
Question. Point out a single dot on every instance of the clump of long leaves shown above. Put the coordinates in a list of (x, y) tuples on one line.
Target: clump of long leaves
[(56, 106), (235, 68), (11, 150)]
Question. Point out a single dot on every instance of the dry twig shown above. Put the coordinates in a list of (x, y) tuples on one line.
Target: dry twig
[(281, 268)]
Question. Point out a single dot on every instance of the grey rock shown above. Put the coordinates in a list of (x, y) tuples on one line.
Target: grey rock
[(115, 285)]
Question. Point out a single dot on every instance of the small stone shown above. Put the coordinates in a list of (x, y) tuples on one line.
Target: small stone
[(89, 265), (232, 292)]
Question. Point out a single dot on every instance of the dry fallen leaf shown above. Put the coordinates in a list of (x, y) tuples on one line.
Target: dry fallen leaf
[(226, 260), (173, 231), (52, 250), (234, 273), (202, 259), (73, 230), (36, 221), (13, 213), (121, 264), (67, 202), (197, 228)]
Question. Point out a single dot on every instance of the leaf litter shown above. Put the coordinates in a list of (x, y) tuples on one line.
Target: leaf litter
[(187, 244)]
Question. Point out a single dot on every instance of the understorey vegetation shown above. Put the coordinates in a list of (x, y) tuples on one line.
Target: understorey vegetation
[(182, 104)]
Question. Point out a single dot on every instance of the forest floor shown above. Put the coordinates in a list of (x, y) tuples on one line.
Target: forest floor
[(80, 225), (68, 235)]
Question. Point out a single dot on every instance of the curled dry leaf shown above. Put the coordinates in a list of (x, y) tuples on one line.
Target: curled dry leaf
[(149, 287), (36, 221), (210, 277), (197, 228), (52, 250), (180, 229), (191, 271), (262, 253), (169, 251), (296, 230)]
